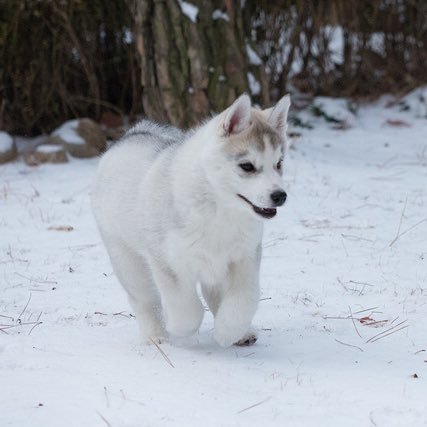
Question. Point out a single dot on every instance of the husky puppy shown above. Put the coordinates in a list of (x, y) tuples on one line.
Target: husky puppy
[(176, 209)]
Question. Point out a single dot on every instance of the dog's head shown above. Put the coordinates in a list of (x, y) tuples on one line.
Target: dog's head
[(245, 164)]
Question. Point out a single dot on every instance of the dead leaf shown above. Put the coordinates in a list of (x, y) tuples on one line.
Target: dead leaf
[(398, 123), (369, 321), (61, 228)]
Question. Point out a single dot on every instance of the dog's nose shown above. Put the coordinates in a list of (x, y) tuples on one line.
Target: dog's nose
[(278, 197)]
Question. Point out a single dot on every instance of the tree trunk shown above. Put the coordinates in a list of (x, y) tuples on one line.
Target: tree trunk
[(190, 68)]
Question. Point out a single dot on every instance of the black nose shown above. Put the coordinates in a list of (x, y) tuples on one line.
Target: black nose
[(278, 197)]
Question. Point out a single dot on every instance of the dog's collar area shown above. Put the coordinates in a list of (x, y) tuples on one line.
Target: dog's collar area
[(264, 212)]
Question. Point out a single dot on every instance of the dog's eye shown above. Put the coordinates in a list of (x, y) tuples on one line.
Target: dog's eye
[(247, 167), (279, 164)]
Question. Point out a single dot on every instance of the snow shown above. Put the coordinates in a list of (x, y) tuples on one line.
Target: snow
[(189, 10), (254, 85), (68, 132), (218, 14), (49, 148), (335, 108), (6, 142), (253, 57), (377, 42), (336, 44), (416, 101), (350, 239)]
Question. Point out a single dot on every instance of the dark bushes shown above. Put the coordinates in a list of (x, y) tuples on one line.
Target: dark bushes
[(74, 58)]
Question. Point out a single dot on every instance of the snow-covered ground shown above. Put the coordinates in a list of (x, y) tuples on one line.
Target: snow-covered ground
[(344, 261)]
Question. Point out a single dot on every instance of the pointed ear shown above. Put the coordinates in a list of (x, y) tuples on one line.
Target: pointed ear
[(278, 115), (238, 115)]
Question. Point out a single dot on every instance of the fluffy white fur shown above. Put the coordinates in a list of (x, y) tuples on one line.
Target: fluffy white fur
[(168, 208)]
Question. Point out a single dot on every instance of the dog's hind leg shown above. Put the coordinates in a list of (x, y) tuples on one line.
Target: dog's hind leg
[(134, 274)]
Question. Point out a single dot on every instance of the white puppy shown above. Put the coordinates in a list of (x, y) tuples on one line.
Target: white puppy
[(177, 209)]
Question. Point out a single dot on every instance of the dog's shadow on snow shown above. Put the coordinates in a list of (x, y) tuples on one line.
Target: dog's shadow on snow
[(203, 345)]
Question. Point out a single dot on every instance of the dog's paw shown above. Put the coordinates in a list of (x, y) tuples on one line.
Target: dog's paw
[(248, 339), (157, 336), (226, 338), (154, 340), (226, 335)]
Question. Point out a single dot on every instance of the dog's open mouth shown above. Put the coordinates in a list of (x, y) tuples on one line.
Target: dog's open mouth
[(264, 212)]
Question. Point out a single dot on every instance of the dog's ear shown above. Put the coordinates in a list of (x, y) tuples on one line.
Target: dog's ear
[(278, 115), (238, 115)]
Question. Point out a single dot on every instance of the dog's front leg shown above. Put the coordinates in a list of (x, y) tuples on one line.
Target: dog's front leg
[(182, 306), (239, 304)]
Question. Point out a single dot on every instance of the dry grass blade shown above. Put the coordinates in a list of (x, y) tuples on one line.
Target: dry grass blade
[(162, 353), (104, 419), (354, 323), (390, 333), (408, 230), (20, 324), (26, 306), (349, 345), (254, 405), (366, 309), (6, 317), (31, 279), (374, 338), (37, 324), (400, 223)]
